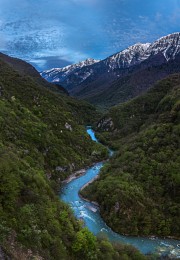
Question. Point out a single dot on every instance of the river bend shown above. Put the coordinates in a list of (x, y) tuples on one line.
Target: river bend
[(89, 213)]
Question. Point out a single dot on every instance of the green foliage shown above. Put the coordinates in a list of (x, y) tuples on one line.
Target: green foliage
[(118, 251), (138, 191), (85, 245), (37, 152)]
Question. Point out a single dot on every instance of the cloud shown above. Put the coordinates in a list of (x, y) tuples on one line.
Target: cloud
[(49, 62), (175, 16), (158, 17), (86, 2), (143, 17), (74, 30), (2, 41)]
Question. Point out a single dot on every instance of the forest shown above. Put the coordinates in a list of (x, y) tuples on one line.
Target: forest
[(42, 141), (138, 189)]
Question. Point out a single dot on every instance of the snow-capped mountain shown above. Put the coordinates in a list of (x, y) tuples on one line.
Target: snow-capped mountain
[(61, 75), (128, 57), (108, 70), (169, 46)]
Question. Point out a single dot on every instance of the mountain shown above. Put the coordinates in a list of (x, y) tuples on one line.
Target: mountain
[(138, 191), (25, 69), (92, 81), (69, 75), (136, 81)]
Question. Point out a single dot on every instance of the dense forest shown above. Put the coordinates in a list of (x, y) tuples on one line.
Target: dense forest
[(138, 190), (42, 141)]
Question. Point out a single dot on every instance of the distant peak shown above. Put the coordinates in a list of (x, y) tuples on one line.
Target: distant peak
[(139, 45), (169, 38), (80, 64), (89, 61), (172, 35)]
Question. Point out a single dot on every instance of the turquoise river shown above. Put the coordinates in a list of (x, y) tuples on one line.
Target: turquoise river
[(92, 219)]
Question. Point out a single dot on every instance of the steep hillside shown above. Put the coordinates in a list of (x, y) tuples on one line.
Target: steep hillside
[(42, 140), (41, 143), (138, 191), (135, 81), (25, 69), (57, 117)]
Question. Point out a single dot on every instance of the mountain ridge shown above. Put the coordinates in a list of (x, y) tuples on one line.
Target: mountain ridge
[(135, 81), (26, 69), (110, 68), (61, 75)]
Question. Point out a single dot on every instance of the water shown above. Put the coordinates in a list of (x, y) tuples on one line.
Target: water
[(83, 210), (92, 134)]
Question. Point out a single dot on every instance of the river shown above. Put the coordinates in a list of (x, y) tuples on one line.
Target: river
[(92, 219)]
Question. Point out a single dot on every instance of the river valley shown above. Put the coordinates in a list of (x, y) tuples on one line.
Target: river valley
[(89, 213)]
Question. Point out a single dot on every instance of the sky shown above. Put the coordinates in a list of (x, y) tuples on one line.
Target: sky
[(56, 33)]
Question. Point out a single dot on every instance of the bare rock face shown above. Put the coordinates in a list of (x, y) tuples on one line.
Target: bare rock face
[(68, 126), (72, 167), (117, 207), (2, 255), (106, 124), (59, 169)]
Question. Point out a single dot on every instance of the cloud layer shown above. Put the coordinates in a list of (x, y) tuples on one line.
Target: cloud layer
[(56, 33)]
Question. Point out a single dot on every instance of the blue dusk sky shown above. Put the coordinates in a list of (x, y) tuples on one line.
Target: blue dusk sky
[(55, 33)]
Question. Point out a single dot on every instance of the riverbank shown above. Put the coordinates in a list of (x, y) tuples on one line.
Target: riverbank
[(89, 212), (80, 173), (75, 175), (84, 186), (152, 237)]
